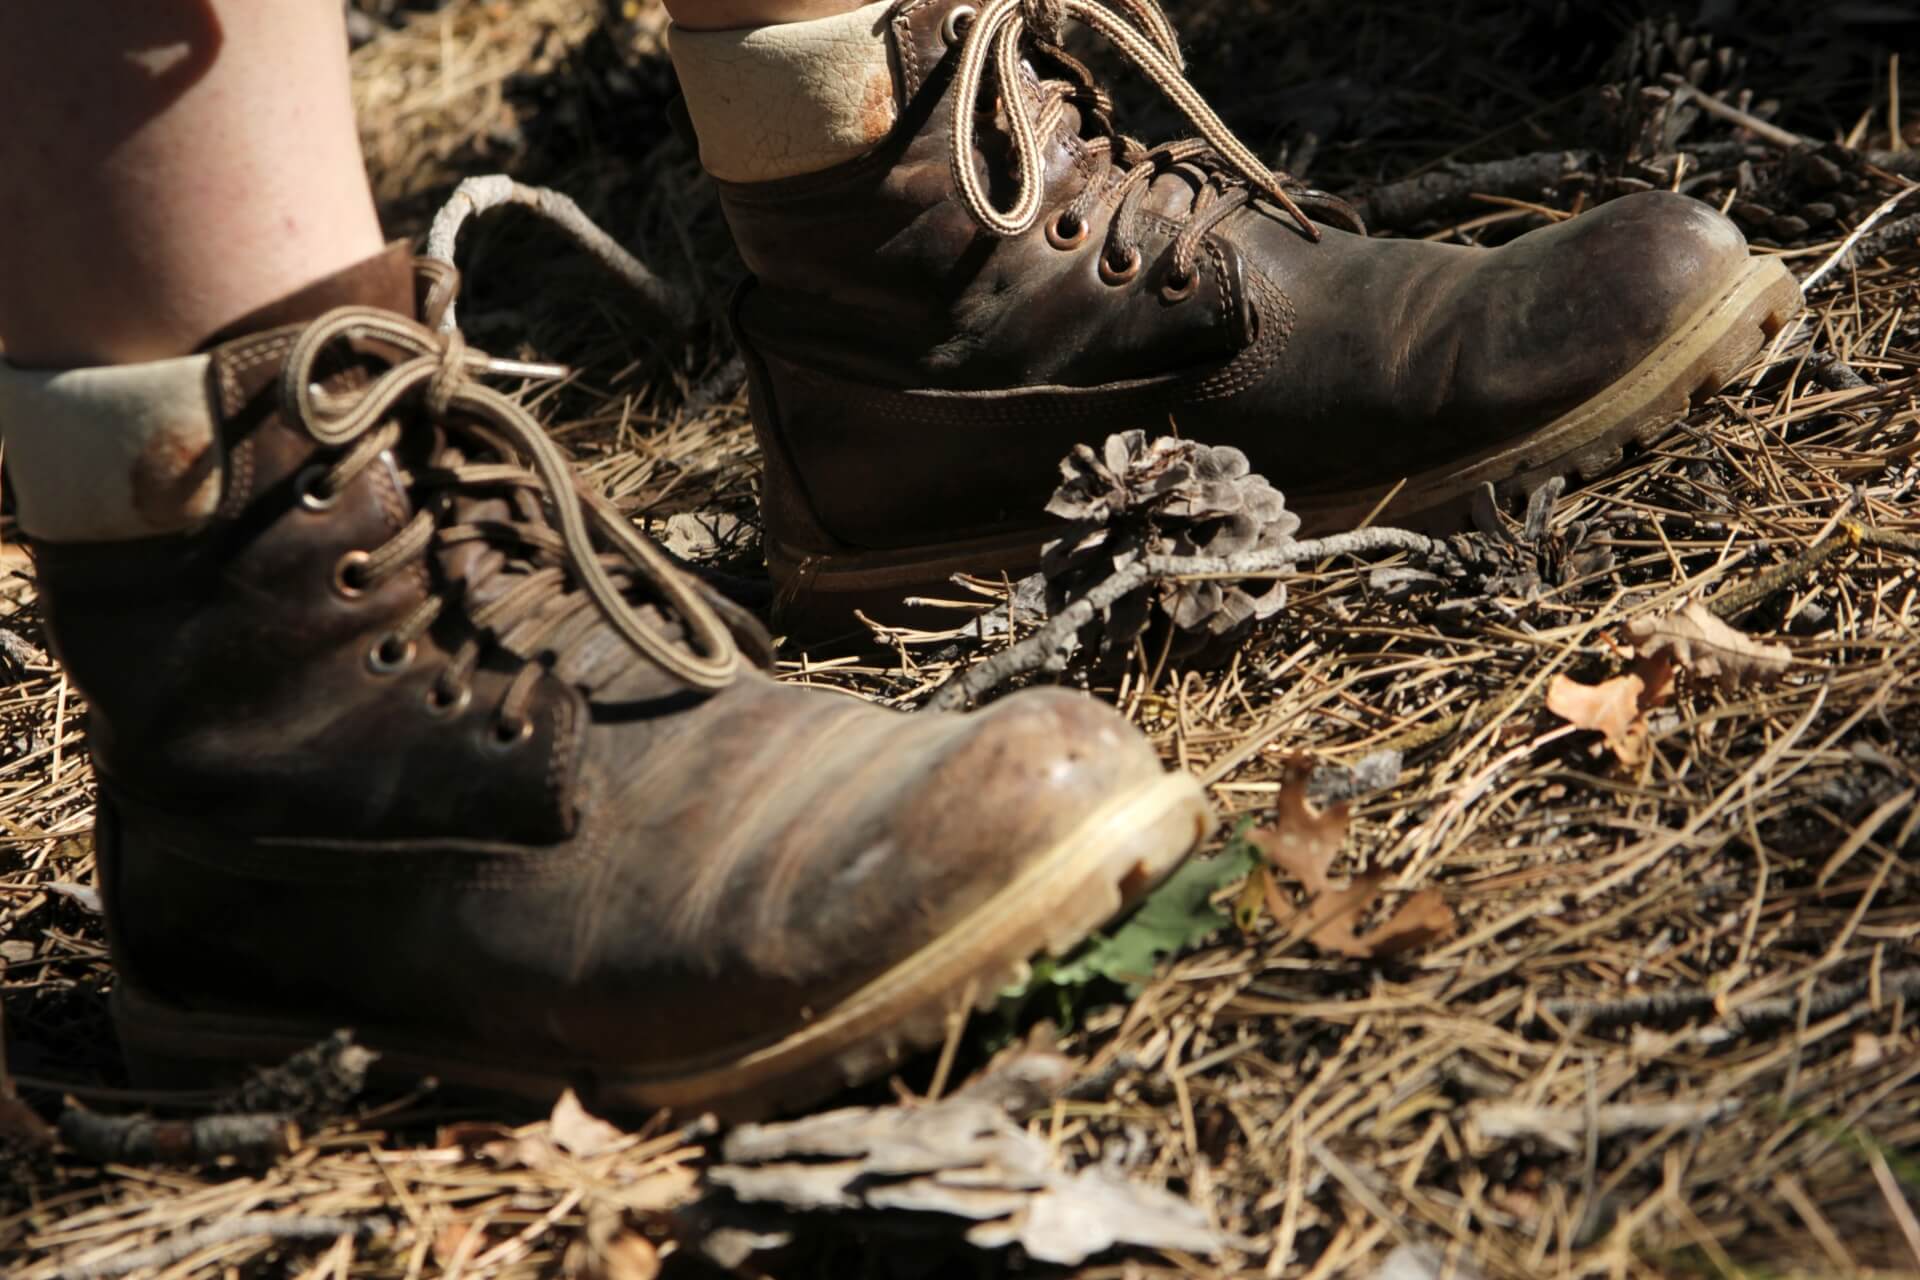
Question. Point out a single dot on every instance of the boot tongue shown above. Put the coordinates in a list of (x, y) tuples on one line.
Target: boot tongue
[(385, 280)]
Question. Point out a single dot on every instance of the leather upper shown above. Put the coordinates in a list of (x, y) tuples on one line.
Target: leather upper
[(647, 873), (921, 376)]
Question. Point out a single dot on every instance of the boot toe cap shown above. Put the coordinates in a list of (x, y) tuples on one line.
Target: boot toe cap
[(1656, 258), (1038, 777)]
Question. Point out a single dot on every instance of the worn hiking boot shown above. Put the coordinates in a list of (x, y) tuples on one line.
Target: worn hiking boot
[(396, 730), (960, 269)]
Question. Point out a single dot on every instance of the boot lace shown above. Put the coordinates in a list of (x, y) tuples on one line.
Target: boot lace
[(556, 585), (1228, 173)]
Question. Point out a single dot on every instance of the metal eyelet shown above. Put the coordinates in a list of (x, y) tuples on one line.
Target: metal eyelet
[(505, 735), (306, 486), (1060, 238), (959, 20), (390, 655), (1122, 273), (1178, 288), (350, 575), (441, 707)]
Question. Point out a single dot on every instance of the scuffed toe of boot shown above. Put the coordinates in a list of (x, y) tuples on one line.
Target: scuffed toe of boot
[(1057, 772), (1561, 314), (910, 869)]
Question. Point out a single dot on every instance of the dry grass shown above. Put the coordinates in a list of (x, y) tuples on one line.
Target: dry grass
[(1756, 877)]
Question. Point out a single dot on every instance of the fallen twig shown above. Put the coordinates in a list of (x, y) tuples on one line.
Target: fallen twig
[(266, 1226), (1835, 374), (1565, 1127), (1684, 1002), (1444, 192), (1049, 647), (1886, 237), (1685, 93), (662, 302), (141, 1139), (1885, 207), (1738, 599)]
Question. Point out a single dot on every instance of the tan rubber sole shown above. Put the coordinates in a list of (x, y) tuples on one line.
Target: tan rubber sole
[(818, 594), (1109, 861)]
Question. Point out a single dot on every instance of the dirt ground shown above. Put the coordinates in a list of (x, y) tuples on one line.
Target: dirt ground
[(1669, 1030)]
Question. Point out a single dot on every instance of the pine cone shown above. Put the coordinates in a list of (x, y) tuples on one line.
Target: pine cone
[(1499, 563), (1137, 498)]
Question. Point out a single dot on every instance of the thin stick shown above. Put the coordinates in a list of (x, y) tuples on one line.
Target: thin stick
[(661, 302), (1896, 1200), (266, 1226), (1684, 93), (1853, 237), (1055, 641), (1690, 1001)]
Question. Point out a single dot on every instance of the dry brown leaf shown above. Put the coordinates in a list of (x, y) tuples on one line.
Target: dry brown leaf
[(1656, 672), (580, 1133), (569, 1131), (1614, 709), (450, 1240), (1303, 841), (609, 1251), (1708, 647), (472, 1136), (1867, 1051), (1420, 920), (962, 1165), (665, 1188), (629, 1256), (1423, 918)]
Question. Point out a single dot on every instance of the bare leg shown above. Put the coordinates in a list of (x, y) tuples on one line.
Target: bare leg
[(170, 165), (726, 15)]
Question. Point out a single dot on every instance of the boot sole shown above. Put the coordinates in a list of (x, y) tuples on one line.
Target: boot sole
[(819, 593), (1112, 859)]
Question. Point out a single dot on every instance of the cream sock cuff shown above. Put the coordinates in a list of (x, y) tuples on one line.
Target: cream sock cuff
[(792, 98), (114, 453)]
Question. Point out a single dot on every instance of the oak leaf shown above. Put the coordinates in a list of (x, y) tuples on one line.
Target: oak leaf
[(1303, 842), (609, 1250), (1421, 918), (1614, 709), (578, 1132), (1708, 647)]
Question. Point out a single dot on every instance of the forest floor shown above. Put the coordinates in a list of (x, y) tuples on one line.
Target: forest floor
[(1666, 1024)]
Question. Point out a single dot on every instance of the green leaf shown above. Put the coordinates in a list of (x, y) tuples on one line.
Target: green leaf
[(1175, 917)]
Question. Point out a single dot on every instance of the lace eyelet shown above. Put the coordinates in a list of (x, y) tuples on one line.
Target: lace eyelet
[(350, 575), (1180, 287), (1060, 238), (390, 656), (1120, 273), (959, 21), (442, 707), (505, 735), (306, 486)]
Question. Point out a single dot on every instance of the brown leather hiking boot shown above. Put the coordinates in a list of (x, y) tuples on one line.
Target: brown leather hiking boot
[(395, 730), (997, 274)]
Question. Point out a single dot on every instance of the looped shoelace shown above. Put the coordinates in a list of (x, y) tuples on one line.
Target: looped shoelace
[(1142, 34), (571, 585)]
